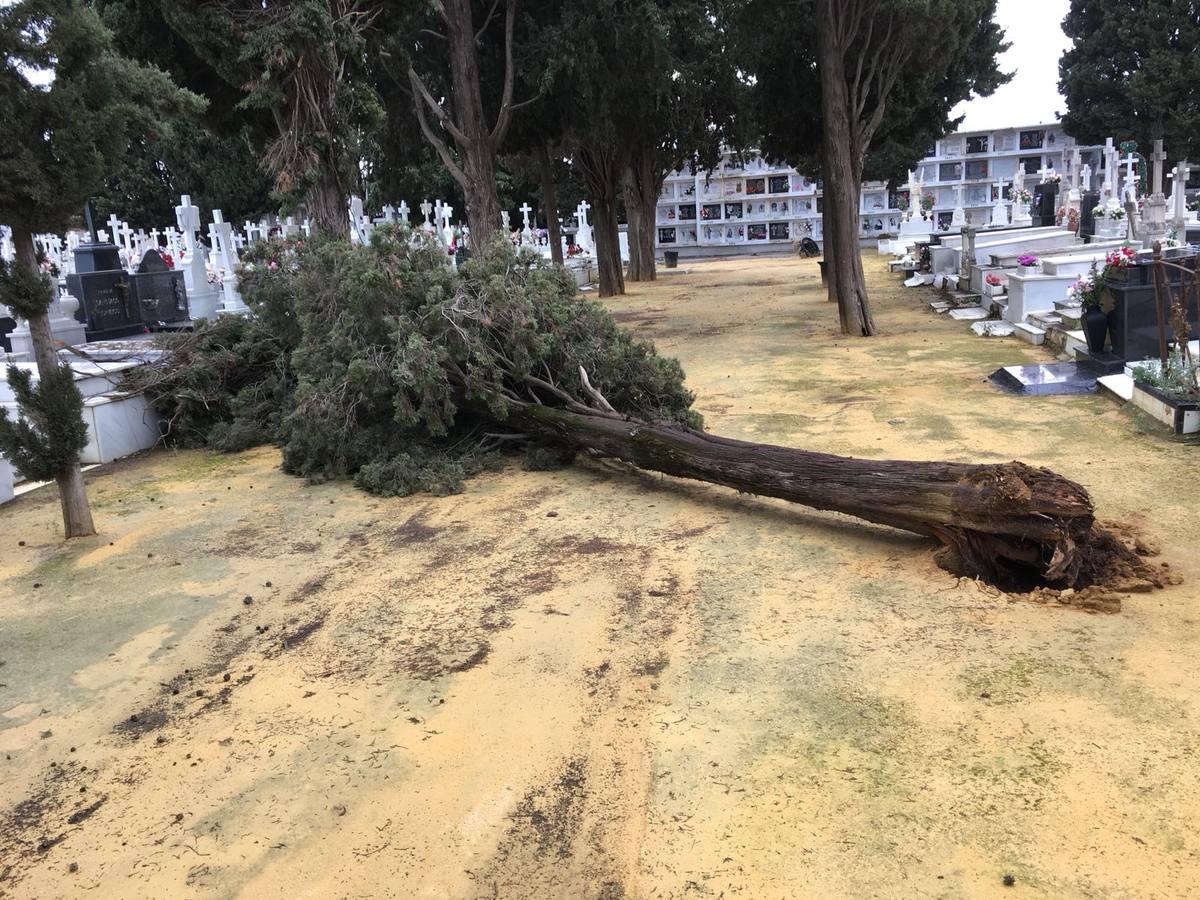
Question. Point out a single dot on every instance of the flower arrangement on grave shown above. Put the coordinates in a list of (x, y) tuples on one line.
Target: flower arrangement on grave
[(1086, 290), (1121, 258), (1051, 177), (993, 279), (927, 201), (167, 258), (1022, 195), (1027, 261), (1109, 210), (48, 268), (902, 203)]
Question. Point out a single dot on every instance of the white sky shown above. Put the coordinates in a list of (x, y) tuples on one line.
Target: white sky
[(1031, 98)]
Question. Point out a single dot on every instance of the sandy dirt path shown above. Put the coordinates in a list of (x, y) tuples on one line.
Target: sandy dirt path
[(596, 683)]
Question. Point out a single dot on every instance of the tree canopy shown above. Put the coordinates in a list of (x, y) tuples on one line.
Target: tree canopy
[(1131, 73), (71, 106)]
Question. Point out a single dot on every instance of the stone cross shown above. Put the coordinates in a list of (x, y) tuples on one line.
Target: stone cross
[(222, 233), (1158, 158), (1110, 168), (114, 225), (1180, 175), (127, 236), (426, 208), (999, 186), (389, 213), (1075, 157), (1086, 175), (188, 217), (403, 212), (504, 217), (525, 209), (1043, 172), (583, 212)]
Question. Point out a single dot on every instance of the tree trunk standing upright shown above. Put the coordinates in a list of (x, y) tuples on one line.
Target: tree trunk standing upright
[(633, 215), (601, 169), (842, 156), (643, 183), (550, 202), (328, 213), (475, 168), (77, 515)]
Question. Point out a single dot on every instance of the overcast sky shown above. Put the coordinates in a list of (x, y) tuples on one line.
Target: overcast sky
[(1031, 98)]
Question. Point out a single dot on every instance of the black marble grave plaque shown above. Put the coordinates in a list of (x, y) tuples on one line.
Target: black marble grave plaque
[(1133, 321), (1087, 221), (107, 304), (161, 294), (1045, 204)]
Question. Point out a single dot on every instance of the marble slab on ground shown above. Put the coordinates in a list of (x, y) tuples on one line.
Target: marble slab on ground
[(969, 313), (993, 328), (1046, 379)]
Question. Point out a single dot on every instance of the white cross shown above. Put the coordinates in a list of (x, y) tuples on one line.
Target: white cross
[(188, 217), (999, 186), (1075, 157), (426, 208), (583, 211), (1086, 175), (1110, 168), (403, 212), (1130, 178), (114, 226), (1043, 172), (504, 217), (389, 213), (525, 209)]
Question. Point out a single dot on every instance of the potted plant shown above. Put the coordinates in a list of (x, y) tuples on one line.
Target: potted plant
[(1171, 393), (993, 285), (1027, 264), (1086, 292)]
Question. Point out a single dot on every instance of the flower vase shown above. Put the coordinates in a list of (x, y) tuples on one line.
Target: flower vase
[(1095, 327), (1029, 270)]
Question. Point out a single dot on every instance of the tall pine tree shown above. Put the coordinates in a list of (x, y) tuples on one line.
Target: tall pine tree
[(70, 105)]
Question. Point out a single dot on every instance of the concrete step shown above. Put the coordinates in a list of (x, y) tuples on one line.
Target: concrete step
[(1044, 320), (1074, 341), (1072, 317), (1030, 333), (1118, 387)]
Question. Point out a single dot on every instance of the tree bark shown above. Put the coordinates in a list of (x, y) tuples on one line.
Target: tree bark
[(328, 213), (643, 183), (601, 168), (842, 158), (1011, 524), (550, 202), (633, 213), (478, 152), (77, 515)]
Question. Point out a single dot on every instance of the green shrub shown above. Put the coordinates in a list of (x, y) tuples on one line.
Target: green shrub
[(382, 364)]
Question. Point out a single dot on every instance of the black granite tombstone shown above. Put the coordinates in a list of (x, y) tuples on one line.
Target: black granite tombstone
[(1045, 204), (162, 297), (107, 305), (1133, 322), (1087, 221)]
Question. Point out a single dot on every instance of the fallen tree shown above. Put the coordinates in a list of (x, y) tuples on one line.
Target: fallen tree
[(379, 364)]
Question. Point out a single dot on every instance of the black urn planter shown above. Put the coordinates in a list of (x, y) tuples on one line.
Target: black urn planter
[(824, 274), (1095, 327)]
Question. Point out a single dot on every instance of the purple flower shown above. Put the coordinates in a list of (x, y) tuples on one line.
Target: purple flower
[(1028, 260)]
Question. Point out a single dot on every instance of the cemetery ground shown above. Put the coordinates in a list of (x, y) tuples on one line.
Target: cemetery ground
[(598, 682)]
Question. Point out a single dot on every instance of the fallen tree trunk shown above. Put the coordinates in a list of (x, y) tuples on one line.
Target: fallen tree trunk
[(1014, 525)]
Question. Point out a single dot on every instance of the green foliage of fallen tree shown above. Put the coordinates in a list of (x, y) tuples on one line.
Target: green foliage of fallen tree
[(382, 364)]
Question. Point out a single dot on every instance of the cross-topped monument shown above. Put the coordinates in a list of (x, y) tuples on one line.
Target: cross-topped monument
[(1158, 158), (999, 208), (403, 210), (426, 208)]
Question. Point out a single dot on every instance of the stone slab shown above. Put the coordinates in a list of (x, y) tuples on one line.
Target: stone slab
[(969, 313), (1048, 379)]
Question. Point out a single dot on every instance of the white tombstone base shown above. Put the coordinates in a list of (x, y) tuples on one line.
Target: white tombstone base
[(204, 304), (65, 331)]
